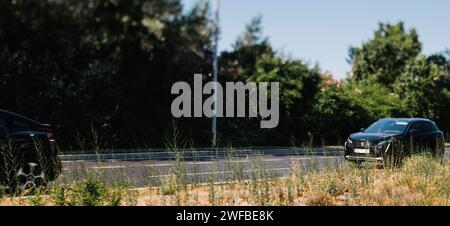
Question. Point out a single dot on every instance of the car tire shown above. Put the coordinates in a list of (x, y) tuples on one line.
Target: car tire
[(393, 159), (440, 149), (30, 176)]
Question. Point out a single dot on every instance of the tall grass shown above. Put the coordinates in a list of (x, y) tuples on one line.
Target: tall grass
[(422, 180), (234, 179)]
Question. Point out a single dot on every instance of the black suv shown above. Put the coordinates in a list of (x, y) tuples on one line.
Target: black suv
[(28, 157), (390, 140)]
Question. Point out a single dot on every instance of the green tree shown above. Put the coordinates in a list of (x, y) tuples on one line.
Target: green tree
[(254, 60), (102, 63), (424, 87), (348, 106), (236, 66), (248, 48), (378, 100), (335, 115), (385, 55), (299, 85)]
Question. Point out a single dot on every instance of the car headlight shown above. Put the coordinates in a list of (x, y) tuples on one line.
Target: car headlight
[(349, 141), (381, 143)]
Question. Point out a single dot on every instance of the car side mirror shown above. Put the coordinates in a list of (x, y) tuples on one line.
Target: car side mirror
[(362, 129), (413, 131)]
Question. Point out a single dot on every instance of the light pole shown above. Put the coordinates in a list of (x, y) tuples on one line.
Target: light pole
[(216, 7)]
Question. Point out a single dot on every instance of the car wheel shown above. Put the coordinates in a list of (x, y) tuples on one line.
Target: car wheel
[(440, 148), (392, 159), (30, 176)]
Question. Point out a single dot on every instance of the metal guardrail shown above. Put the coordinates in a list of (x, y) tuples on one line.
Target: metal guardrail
[(199, 155)]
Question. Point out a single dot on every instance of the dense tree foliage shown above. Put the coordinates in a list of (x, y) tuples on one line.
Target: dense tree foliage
[(424, 88), (384, 57), (391, 78), (108, 65), (103, 64), (253, 60)]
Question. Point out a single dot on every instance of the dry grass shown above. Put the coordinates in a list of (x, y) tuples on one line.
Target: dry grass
[(420, 181)]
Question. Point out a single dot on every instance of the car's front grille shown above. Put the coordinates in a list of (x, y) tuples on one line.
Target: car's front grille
[(362, 144)]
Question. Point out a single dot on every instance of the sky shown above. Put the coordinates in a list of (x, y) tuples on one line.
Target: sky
[(321, 31)]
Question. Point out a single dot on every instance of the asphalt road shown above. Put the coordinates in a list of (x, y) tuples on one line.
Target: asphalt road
[(149, 169)]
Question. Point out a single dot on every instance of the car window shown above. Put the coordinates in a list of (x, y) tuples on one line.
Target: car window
[(428, 127), (435, 128), (415, 126), (388, 126), (17, 123), (423, 127)]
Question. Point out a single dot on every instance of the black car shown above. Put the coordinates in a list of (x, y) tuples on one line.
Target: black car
[(28, 157), (390, 140)]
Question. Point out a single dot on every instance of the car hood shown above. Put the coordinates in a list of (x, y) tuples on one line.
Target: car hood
[(371, 136)]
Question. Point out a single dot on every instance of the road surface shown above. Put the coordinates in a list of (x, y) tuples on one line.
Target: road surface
[(150, 169)]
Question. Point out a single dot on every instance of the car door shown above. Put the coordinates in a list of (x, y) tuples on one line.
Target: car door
[(422, 136), (425, 136), (433, 136), (430, 135), (414, 137)]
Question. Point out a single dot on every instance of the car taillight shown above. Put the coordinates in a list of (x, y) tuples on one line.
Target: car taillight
[(49, 131), (50, 136)]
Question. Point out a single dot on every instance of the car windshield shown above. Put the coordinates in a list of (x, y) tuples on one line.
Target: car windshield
[(388, 126)]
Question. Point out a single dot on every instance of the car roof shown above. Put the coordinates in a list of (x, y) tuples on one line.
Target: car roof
[(409, 119), (5, 112)]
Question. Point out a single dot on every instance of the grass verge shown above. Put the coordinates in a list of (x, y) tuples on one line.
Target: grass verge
[(422, 180)]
